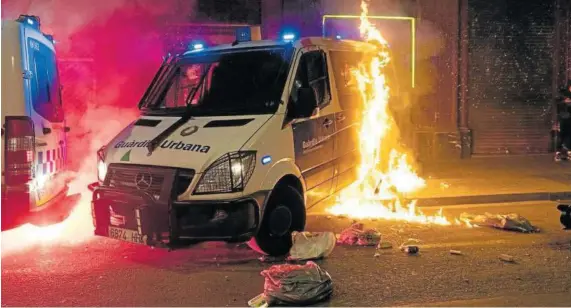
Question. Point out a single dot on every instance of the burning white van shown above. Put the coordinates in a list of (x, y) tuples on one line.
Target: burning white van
[(235, 143), (33, 127)]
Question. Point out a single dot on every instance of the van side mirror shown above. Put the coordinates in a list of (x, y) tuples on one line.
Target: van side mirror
[(306, 104)]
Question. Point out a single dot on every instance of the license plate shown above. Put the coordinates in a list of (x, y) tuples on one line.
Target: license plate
[(127, 235)]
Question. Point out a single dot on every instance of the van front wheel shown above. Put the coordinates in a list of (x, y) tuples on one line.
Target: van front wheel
[(284, 213)]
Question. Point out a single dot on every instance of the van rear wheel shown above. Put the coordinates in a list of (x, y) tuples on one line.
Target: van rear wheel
[(284, 213)]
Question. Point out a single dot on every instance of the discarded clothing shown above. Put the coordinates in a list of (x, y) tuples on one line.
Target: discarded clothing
[(513, 221), (357, 235), (311, 245), (297, 285)]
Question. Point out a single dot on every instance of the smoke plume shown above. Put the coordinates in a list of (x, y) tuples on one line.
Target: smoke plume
[(107, 53)]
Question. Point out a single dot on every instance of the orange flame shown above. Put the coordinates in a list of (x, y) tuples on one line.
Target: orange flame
[(383, 182)]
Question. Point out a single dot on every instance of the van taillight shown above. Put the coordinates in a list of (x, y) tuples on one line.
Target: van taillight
[(19, 150)]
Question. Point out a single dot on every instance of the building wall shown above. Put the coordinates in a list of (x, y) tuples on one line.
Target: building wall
[(436, 106)]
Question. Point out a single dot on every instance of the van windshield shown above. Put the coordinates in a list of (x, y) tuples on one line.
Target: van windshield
[(225, 83)]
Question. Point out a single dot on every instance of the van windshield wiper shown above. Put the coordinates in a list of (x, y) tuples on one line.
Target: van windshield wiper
[(152, 146)]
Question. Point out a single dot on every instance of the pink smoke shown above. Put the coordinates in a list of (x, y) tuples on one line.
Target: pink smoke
[(108, 52)]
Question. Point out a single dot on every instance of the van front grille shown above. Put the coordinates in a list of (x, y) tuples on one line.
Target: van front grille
[(149, 180)]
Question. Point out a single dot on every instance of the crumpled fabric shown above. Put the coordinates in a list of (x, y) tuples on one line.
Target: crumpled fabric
[(311, 245), (513, 222), (357, 235), (298, 285)]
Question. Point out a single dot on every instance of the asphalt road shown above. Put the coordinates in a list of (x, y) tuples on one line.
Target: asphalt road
[(101, 272)]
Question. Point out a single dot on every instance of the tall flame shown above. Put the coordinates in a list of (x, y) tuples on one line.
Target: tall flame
[(384, 180)]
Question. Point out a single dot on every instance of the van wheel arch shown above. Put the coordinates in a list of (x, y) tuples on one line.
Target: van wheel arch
[(285, 198), (286, 180), (291, 180)]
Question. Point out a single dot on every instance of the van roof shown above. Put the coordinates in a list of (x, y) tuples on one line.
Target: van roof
[(329, 43)]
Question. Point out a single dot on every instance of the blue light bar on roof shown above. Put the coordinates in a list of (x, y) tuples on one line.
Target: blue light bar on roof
[(288, 36), (243, 34), (196, 45)]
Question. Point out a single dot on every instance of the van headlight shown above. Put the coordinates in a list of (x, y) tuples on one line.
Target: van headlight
[(229, 173), (101, 165)]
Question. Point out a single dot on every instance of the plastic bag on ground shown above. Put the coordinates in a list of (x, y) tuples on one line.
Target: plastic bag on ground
[(297, 285), (357, 235), (311, 245), (512, 221)]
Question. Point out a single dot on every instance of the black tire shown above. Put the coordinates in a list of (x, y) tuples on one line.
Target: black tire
[(284, 213)]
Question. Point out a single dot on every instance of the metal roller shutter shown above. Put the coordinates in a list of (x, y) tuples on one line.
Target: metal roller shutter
[(510, 75)]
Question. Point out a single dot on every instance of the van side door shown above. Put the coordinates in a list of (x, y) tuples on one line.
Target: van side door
[(348, 118), (46, 111), (313, 136)]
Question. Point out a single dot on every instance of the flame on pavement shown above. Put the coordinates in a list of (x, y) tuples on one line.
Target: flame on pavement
[(385, 174)]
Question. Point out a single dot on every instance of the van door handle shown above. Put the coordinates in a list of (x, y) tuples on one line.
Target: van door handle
[(341, 117), (327, 122), (41, 144)]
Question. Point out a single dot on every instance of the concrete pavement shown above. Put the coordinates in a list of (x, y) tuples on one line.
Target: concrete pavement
[(495, 180), (101, 272)]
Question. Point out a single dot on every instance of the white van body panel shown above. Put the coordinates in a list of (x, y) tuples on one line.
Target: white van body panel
[(195, 151), (18, 75), (14, 101)]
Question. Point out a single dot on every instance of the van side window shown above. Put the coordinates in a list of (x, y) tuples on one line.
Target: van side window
[(343, 63), (312, 72), (45, 87)]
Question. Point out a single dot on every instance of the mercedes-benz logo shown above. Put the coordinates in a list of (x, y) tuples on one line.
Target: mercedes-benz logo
[(143, 181)]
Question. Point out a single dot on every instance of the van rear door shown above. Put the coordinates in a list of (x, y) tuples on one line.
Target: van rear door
[(46, 111)]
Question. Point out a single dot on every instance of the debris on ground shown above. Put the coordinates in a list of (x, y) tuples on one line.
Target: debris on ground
[(297, 285), (258, 301), (384, 245), (410, 241), (513, 222), (358, 235), (311, 245), (409, 246), (456, 252), (410, 249), (565, 218), (507, 258), (272, 259)]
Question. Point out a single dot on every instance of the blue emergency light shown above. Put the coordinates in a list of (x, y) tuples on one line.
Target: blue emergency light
[(288, 37), (31, 20), (196, 45), (243, 34)]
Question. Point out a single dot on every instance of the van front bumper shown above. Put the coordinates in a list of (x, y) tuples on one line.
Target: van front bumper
[(173, 224)]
